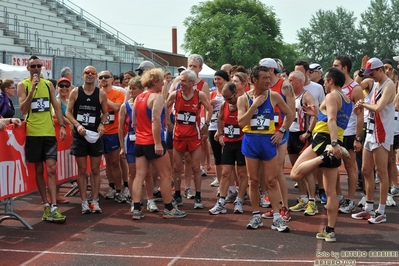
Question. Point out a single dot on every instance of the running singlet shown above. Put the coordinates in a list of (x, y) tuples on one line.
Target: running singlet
[(131, 134), (214, 120), (187, 114), (379, 125), (87, 109), (262, 122), (112, 124), (351, 128), (278, 116), (232, 131), (342, 119), (39, 121), (301, 121), (144, 120)]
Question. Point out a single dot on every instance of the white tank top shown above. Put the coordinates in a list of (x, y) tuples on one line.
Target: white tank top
[(301, 121), (351, 128)]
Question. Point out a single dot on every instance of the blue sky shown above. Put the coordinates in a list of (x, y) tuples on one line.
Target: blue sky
[(150, 22)]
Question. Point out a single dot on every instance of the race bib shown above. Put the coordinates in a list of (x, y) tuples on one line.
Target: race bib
[(276, 118), (132, 136), (215, 115), (187, 118), (231, 131), (40, 105), (260, 122), (86, 118), (110, 118), (370, 123)]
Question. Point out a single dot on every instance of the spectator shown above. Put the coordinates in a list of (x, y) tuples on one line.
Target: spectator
[(7, 91)]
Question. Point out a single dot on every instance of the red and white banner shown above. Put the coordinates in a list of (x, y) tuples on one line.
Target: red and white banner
[(18, 177)]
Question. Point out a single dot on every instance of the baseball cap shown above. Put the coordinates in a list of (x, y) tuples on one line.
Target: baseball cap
[(396, 58), (387, 61), (316, 66), (91, 136), (269, 62), (372, 64), (145, 65), (63, 79), (181, 67), (279, 62)]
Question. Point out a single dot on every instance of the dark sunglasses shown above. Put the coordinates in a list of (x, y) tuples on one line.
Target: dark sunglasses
[(61, 86), (88, 72), (231, 97), (104, 77), (36, 66)]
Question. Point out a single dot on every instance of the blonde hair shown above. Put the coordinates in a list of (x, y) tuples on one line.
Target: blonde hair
[(151, 76), (241, 76)]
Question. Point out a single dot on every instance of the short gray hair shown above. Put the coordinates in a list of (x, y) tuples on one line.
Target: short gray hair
[(190, 74), (298, 75), (65, 71), (196, 57)]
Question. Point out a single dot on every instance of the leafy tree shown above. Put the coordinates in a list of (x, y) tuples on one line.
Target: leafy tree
[(232, 31), (330, 34), (379, 29)]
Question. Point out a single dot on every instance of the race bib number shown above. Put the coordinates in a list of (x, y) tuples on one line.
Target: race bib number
[(40, 105), (370, 123), (260, 122), (231, 131), (215, 115), (187, 118), (110, 118), (132, 136), (86, 118)]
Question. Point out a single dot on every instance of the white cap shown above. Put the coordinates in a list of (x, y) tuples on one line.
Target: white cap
[(269, 62), (92, 136)]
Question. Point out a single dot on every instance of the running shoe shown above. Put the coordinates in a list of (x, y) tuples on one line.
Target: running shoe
[(279, 225), (348, 207), (151, 206), (85, 208), (174, 213), (301, 206), (126, 193), (215, 183), (322, 196), (376, 179), (378, 218), (268, 215), (264, 201), (311, 209), (329, 237), (137, 215), (390, 201), (231, 197), (238, 207), (46, 213), (296, 185), (95, 207), (394, 191), (362, 202), (89, 197), (157, 196), (285, 214), (341, 202), (131, 207), (363, 215), (218, 208), (178, 201), (110, 193), (255, 222), (56, 216), (189, 193), (203, 172), (120, 198), (198, 203), (345, 152)]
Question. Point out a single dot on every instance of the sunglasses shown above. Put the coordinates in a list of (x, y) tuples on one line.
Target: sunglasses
[(231, 97), (104, 77), (61, 86), (88, 72), (36, 66)]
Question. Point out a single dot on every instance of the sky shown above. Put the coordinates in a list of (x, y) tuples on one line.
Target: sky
[(150, 22)]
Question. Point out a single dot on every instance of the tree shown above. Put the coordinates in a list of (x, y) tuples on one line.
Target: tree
[(330, 34), (379, 30), (232, 31)]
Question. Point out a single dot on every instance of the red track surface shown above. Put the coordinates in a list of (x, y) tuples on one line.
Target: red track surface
[(113, 238)]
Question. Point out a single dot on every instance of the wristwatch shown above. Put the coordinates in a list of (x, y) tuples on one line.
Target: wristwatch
[(207, 124), (282, 130), (359, 139), (309, 131), (334, 143), (63, 125), (103, 123)]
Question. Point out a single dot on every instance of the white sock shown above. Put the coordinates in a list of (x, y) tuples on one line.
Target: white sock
[(232, 189), (381, 208)]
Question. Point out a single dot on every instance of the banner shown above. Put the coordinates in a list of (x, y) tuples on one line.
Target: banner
[(18, 177)]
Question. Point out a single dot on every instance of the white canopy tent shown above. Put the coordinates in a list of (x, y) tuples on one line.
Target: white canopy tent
[(16, 73), (207, 72)]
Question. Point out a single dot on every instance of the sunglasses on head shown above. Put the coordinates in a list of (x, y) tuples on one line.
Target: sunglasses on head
[(229, 98), (88, 72), (104, 77), (61, 86), (36, 66)]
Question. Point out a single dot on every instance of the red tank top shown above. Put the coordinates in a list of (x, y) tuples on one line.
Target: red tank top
[(232, 131), (188, 120), (278, 117), (143, 120), (199, 85)]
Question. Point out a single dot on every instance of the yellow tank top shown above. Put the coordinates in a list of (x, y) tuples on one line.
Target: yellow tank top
[(39, 120)]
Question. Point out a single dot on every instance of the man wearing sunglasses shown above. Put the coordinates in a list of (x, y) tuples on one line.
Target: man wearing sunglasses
[(110, 138), (35, 96)]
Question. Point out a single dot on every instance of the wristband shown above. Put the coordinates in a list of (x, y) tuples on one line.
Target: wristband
[(308, 131), (360, 73), (206, 124), (63, 125)]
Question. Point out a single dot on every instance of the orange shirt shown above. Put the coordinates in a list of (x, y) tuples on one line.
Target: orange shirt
[(112, 124)]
